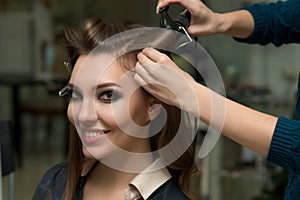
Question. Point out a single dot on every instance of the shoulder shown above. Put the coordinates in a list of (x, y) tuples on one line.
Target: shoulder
[(55, 170), (53, 182), (168, 191)]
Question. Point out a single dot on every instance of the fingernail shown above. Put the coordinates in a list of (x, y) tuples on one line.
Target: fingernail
[(146, 49)]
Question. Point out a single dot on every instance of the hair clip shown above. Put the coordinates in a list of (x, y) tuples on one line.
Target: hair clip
[(63, 92)]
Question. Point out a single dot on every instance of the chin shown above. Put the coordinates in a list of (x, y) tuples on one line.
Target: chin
[(87, 153), (97, 152)]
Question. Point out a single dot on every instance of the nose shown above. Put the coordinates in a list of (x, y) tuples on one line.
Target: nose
[(87, 112)]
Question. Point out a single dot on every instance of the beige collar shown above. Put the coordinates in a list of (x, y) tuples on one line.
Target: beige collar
[(148, 181)]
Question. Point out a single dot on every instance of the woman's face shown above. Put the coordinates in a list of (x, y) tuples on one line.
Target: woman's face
[(107, 107)]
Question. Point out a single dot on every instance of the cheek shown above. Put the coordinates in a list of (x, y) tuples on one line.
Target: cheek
[(124, 114), (139, 110), (106, 114)]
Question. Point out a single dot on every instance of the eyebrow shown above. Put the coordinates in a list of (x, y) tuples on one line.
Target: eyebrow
[(108, 84), (99, 86)]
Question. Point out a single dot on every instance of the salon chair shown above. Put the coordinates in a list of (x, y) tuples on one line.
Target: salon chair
[(7, 157)]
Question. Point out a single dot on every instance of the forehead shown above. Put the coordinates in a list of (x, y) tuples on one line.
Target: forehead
[(96, 69)]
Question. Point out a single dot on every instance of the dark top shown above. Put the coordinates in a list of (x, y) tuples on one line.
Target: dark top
[(53, 184)]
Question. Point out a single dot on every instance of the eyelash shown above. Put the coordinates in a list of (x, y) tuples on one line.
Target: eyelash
[(74, 95), (109, 96), (106, 96)]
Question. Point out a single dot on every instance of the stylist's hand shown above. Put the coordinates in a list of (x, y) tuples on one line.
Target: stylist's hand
[(161, 77), (203, 20)]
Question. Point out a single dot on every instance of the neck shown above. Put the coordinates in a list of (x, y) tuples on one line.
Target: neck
[(109, 177), (106, 172), (106, 182)]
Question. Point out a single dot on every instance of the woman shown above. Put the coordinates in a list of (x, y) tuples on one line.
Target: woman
[(116, 151)]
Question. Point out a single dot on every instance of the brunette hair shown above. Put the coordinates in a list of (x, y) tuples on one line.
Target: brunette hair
[(84, 40)]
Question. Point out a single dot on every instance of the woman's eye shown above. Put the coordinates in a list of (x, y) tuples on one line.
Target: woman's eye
[(109, 96), (75, 95)]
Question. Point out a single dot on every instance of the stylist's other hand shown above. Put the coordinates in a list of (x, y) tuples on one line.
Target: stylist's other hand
[(161, 77), (203, 21)]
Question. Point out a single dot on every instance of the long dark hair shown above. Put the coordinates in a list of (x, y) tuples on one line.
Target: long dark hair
[(82, 41)]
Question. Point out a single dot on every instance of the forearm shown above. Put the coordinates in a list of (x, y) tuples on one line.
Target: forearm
[(276, 23), (238, 24), (245, 126)]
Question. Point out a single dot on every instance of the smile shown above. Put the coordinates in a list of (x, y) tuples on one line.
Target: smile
[(91, 134)]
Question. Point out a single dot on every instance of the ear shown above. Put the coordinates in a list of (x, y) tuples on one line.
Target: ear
[(155, 109)]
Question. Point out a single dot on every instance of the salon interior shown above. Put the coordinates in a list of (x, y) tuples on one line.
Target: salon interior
[(32, 72)]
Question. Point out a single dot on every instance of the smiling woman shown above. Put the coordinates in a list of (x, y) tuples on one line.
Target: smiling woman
[(93, 109), (124, 143)]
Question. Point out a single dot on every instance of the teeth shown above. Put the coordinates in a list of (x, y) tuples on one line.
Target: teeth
[(92, 134)]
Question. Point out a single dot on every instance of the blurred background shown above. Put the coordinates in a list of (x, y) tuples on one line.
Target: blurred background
[(32, 72)]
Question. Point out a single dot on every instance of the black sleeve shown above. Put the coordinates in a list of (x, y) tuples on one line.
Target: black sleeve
[(53, 183)]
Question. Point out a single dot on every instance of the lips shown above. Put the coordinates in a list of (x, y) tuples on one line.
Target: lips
[(93, 136)]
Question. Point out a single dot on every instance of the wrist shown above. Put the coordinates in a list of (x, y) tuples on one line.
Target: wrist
[(238, 24), (191, 104), (223, 23)]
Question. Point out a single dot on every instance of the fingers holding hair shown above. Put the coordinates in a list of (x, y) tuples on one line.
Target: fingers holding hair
[(150, 64), (161, 77), (146, 66), (151, 56)]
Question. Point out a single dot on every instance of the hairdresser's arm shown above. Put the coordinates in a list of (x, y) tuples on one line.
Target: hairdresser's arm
[(277, 22), (204, 21), (246, 126)]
